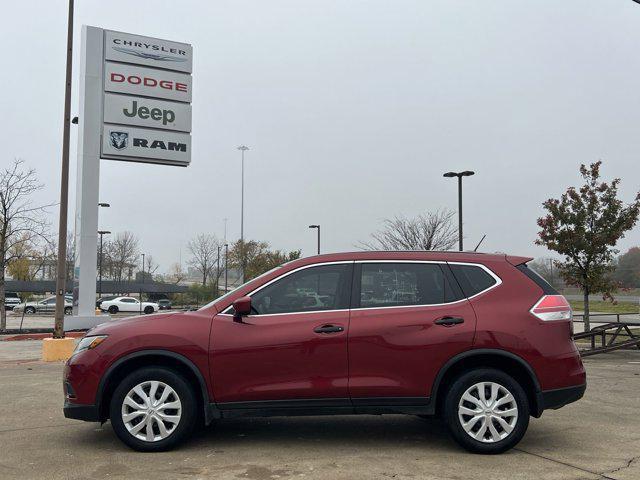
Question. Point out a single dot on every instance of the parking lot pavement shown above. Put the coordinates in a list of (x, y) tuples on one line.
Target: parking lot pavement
[(596, 438)]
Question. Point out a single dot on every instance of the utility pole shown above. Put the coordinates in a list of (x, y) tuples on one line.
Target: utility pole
[(61, 271), (142, 269), (466, 173)]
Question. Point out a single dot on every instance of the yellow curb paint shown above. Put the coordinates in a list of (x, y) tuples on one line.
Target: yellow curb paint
[(56, 349)]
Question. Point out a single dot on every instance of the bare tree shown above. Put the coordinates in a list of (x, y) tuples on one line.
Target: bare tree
[(21, 222), (176, 274), (204, 254), (150, 268), (121, 254), (430, 231)]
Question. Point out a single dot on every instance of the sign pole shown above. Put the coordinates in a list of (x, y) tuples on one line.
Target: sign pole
[(61, 270), (88, 179)]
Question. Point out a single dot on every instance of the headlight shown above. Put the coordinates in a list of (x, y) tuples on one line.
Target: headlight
[(89, 343)]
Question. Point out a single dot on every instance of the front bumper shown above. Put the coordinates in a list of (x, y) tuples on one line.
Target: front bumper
[(88, 413), (554, 399)]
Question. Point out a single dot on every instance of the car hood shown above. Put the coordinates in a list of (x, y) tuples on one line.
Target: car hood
[(130, 325)]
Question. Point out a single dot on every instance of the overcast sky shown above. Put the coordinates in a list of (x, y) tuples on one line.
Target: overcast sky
[(352, 110)]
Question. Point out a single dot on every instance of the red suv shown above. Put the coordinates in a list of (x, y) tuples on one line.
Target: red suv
[(478, 339)]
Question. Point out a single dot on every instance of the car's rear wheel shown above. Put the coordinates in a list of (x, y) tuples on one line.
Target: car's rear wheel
[(148, 310), (153, 409), (68, 310), (486, 410), (29, 310), (113, 309)]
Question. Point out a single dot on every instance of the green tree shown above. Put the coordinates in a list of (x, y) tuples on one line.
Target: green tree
[(584, 226), (258, 258), (628, 269)]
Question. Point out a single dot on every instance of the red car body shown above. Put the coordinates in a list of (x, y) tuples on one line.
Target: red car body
[(376, 360)]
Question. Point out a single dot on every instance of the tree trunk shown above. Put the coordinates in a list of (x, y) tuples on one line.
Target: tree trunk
[(587, 325), (3, 312)]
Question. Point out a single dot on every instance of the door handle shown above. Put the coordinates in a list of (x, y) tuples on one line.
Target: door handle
[(449, 321), (329, 329)]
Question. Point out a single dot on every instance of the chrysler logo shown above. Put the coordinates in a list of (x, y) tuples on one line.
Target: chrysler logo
[(153, 56), (119, 140)]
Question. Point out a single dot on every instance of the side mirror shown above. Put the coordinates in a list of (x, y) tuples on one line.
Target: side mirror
[(242, 307)]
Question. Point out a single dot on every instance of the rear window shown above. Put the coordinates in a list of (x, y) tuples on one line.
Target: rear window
[(473, 279), (541, 282)]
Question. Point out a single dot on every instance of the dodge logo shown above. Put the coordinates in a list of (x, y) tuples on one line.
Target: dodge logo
[(119, 140)]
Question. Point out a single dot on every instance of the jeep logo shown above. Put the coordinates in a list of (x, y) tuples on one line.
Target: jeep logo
[(166, 116)]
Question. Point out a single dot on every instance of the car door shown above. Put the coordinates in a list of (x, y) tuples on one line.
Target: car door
[(47, 306), (128, 304), (407, 320), (292, 347)]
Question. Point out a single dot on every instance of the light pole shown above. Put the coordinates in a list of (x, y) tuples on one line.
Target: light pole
[(61, 270), (318, 227), (226, 263), (242, 148), (142, 270), (218, 271), (466, 173), (101, 233)]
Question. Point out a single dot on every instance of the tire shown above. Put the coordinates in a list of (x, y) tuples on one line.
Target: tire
[(181, 393), (507, 432), (113, 309), (29, 310), (148, 310), (68, 310)]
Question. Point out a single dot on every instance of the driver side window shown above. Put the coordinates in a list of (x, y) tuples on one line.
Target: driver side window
[(325, 287)]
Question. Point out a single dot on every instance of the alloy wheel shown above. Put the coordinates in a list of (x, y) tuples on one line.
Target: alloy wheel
[(488, 412), (151, 411)]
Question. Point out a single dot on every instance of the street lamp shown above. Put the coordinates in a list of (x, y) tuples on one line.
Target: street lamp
[(226, 269), (318, 227), (142, 270), (242, 148), (101, 233), (466, 173)]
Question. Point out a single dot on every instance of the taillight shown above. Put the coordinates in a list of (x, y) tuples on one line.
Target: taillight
[(552, 307)]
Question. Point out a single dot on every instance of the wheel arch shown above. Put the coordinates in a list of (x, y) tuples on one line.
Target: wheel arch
[(156, 358), (502, 360)]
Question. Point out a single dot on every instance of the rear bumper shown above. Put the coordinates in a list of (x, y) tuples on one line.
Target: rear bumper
[(88, 413), (554, 399)]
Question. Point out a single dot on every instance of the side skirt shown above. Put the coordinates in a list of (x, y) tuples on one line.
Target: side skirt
[(333, 406)]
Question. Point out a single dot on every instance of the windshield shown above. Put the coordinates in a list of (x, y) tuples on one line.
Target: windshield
[(228, 294)]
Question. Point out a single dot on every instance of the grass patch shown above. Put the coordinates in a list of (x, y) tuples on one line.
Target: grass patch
[(606, 307)]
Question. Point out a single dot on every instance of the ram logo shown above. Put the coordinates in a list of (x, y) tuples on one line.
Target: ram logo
[(119, 140)]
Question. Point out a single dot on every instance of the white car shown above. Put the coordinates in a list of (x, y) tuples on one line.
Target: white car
[(128, 304)]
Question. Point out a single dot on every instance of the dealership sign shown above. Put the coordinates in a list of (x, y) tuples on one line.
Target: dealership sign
[(147, 112), (163, 147), (120, 78), (142, 100), (135, 106), (128, 48)]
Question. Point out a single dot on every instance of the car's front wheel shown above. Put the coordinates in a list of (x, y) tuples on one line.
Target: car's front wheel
[(486, 410), (153, 409), (113, 309), (29, 310)]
